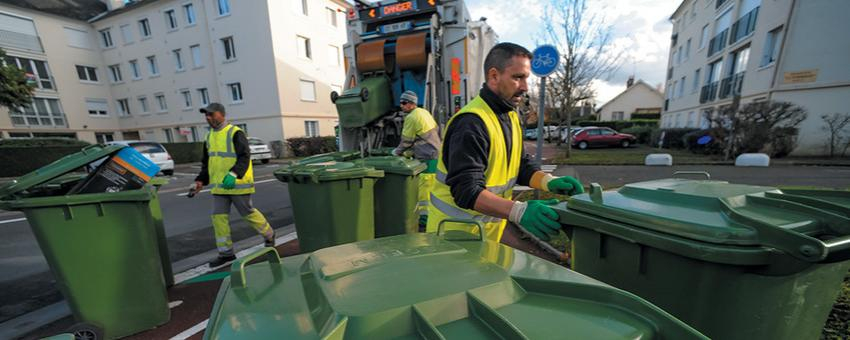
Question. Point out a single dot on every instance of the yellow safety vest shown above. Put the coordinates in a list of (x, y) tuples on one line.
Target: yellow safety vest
[(420, 129), (499, 177), (222, 157)]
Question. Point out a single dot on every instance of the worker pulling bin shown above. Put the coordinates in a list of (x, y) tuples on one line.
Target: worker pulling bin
[(734, 261)]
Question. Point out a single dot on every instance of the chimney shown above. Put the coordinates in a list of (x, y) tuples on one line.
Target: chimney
[(630, 82), (112, 5)]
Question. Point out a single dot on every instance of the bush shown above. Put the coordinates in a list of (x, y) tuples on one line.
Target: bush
[(713, 147), (42, 142), (19, 161), (185, 152), (641, 116), (621, 124), (673, 138), (641, 133), (308, 146)]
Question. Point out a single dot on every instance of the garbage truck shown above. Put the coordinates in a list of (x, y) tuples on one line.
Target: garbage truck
[(430, 47)]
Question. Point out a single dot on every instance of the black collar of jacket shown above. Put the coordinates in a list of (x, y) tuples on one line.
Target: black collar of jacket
[(496, 103)]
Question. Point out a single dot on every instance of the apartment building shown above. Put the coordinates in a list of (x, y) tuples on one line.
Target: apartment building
[(782, 50), (143, 69)]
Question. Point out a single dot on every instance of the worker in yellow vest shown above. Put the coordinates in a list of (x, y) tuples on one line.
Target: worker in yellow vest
[(421, 134), (226, 166), (482, 158)]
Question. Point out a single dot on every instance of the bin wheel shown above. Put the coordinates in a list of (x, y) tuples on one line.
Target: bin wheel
[(364, 94), (334, 96), (168, 172), (86, 331)]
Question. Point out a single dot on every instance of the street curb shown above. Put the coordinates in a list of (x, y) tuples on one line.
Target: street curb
[(186, 269)]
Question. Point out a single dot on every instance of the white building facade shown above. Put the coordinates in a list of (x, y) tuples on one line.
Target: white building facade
[(638, 97), (779, 50), (143, 70)]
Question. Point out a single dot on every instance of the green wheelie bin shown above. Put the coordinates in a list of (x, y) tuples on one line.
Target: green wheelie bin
[(427, 286), (101, 247), (332, 202), (733, 261), (396, 194), (338, 156)]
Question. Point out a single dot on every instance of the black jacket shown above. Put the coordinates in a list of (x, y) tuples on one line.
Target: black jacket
[(466, 148), (243, 158)]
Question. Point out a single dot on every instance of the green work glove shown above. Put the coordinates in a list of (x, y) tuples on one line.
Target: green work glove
[(565, 186), (536, 217), (229, 181)]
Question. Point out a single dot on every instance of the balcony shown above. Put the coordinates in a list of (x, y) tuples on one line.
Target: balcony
[(744, 26), (669, 73), (720, 3), (666, 104), (717, 43), (731, 86), (708, 92)]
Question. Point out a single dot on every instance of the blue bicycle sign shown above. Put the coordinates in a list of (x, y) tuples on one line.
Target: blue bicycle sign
[(545, 60)]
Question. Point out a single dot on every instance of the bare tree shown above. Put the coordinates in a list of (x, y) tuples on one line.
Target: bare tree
[(756, 127), (584, 40), (834, 124)]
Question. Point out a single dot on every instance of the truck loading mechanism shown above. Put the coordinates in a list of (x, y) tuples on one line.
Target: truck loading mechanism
[(430, 47)]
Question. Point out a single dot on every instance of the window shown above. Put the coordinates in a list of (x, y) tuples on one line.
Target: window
[(695, 85), (223, 7), (691, 117), (331, 16), (169, 135), (196, 56), (703, 38), (143, 104), (606, 132), (189, 11), (308, 91), (235, 92), (681, 87), (333, 55), (87, 73), (204, 95), (771, 47), (304, 9), (673, 94), (38, 68), (123, 107), (714, 72), (304, 48), (229, 48), (144, 28), (187, 98), (617, 115), (41, 112), (97, 107), (178, 60), (741, 59), (115, 72), (104, 138), (152, 65), (106, 38), (160, 101), (171, 19), (126, 34), (688, 49), (77, 38), (674, 57), (311, 128), (134, 68)]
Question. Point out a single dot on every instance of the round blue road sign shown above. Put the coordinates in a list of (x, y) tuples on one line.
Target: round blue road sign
[(545, 61)]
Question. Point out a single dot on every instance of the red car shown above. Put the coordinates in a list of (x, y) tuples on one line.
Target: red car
[(602, 136)]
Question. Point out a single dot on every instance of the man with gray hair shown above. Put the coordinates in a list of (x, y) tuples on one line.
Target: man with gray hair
[(420, 133)]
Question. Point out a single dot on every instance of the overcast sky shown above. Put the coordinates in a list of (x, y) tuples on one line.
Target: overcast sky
[(640, 28)]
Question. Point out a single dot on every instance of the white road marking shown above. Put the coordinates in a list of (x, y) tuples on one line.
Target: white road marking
[(205, 268), (207, 190), (191, 331), (173, 304), (13, 220), (184, 174)]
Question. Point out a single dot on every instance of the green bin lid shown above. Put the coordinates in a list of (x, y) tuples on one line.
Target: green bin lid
[(394, 165), (804, 225), (326, 171), (58, 168), (339, 156)]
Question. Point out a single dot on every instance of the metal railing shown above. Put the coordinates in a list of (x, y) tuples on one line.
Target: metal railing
[(720, 3), (717, 43), (731, 85), (708, 92), (744, 26)]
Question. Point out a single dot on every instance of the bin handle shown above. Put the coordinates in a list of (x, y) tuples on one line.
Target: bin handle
[(88, 148), (462, 221), (237, 269), (704, 173), (838, 249)]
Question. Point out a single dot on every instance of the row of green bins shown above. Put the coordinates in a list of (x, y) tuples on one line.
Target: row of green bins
[(101, 247), (427, 286), (733, 261), (396, 195), (332, 202), (339, 156)]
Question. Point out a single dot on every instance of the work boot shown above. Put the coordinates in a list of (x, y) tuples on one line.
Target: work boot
[(222, 260), (270, 242)]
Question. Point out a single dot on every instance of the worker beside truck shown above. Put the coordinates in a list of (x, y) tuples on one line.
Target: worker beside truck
[(482, 158)]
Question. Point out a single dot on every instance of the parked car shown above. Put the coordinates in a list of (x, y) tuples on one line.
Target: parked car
[(530, 134), (596, 137), (151, 150), (574, 130), (260, 151)]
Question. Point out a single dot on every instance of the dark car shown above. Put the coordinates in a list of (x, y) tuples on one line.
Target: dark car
[(602, 137)]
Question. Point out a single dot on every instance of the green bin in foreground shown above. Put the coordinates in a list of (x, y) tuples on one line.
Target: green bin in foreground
[(338, 156), (733, 261), (102, 248), (332, 202), (426, 286), (396, 194)]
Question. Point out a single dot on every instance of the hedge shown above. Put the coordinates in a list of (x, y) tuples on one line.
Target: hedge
[(308, 146), (19, 161), (42, 142), (639, 116), (622, 124), (642, 133), (673, 138), (185, 152)]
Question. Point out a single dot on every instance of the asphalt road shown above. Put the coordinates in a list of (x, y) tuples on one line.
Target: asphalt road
[(25, 280)]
